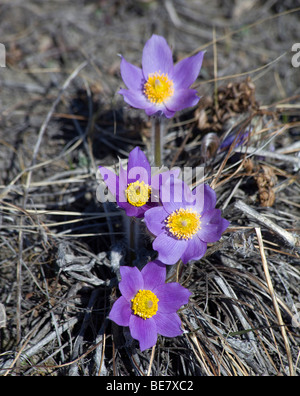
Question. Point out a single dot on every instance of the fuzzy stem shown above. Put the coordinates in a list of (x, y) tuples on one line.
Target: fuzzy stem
[(132, 239), (129, 235), (157, 140), (132, 232)]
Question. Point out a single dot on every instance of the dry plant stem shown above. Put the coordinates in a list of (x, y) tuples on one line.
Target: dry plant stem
[(28, 353), (249, 26), (49, 115), (28, 182), (274, 299), (151, 361), (291, 240), (215, 70), (157, 139), (269, 154), (131, 235)]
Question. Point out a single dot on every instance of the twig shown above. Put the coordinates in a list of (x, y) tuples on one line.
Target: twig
[(216, 103), (49, 115), (51, 336), (274, 299), (172, 13), (151, 361), (291, 240), (269, 154), (8, 365), (29, 176)]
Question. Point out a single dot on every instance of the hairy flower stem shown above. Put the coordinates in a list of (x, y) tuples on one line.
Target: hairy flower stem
[(132, 232), (157, 140)]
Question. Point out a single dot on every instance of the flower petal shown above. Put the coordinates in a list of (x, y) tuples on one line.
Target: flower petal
[(159, 179), (187, 70), (143, 330), (138, 167), (209, 233), (130, 210), (135, 98), (157, 56), (169, 249), (154, 274), (159, 110), (168, 113), (176, 194), (171, 297), (212, 226), (195, 250), (132, 281), (132, 76), (224, 225), (182, 99), (141, 210), (121, 312), (206, 198), (123, 184), (110, 179), (168, 325), (155, 219)]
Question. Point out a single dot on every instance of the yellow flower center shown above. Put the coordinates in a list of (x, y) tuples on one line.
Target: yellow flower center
[(138, 193), (144, 304), (158, 88), (183, 223)]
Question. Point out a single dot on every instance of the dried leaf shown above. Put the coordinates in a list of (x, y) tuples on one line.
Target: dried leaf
[(209, 146)]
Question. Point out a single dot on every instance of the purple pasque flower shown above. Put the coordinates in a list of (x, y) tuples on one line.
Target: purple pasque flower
[(185, 223), (148, 305), (160, 86), (136, 189), (240, 139)]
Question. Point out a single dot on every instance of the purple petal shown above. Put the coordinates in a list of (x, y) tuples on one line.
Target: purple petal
[(160, 179), (168, 325), (133, 211), (121, 312), (130, 210), (138, 100), (157, 56), (171, 297), (159, 109), (110, 179), (138, 167), (224, 225), (123, 184), (135, 98), (209, 233), (206, 198), (143, 330), (155, 219), (154, 274), (168, 113), (132, 281), (141, 211), (187, 70), (169, 249), (132, 76), (176, 194), (195, 250), (212, 226), (182, 99)]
